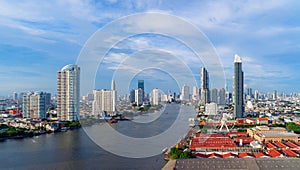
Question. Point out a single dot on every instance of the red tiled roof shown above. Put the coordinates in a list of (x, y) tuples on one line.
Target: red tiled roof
[(212, 143), (280, 145), (290, 153), (203, 135), (262, 119), (260, 154), (291, 144), (227, 155), (269, 145), (237, 133), (246, 140), (201, 155), (274, 153), (243, 155), (213, 155)]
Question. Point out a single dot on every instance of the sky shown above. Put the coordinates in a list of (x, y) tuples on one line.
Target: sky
[(38, 38)]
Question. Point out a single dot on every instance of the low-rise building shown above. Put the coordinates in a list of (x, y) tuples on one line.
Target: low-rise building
[(262, 121), (265, 134)]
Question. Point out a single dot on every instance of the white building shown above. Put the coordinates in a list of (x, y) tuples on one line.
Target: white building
[(35, 105), (185, 93), (139, 96), (195, 94), (155, 97), (68, 92), (211, 109), (105, 101), (256, 95)]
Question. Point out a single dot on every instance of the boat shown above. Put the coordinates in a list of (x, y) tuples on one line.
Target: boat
[(111, 121), (192, 125), (164, 150), (63, 129)]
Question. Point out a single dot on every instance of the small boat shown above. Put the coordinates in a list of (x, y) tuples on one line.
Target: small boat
[(63, 129), (111, 121), (164, 150), (192, 125)]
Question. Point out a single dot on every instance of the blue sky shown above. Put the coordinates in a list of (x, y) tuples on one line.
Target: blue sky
[(39, 37)]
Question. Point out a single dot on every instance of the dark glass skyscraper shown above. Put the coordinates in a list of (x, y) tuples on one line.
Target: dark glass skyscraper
[(204, 89), (141, 86), (238, 88)]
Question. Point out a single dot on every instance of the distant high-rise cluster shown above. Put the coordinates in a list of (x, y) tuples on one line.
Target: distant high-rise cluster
[(137, 96), (68, 93)]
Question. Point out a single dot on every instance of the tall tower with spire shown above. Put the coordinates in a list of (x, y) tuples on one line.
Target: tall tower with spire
[(113, 85), (204, 89), (238, 88)]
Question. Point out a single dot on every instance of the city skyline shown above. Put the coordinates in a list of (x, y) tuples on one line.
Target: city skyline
[(40, 41)]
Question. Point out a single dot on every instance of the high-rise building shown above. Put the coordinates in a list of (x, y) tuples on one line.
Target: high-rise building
[(195, 94), (15, 96), (132, 96), (105, 101), (249, 93), (222, 98), (34, 104), (141, 86), (138, 96), (155, 97), (238, 88), (185, 93), (214, 95), (204, 88), (275, 95), (256, 95), (68, 93)]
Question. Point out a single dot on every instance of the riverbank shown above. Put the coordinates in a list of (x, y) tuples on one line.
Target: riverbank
[(19, 128)]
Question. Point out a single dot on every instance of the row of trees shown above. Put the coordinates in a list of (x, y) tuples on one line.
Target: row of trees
[(293, 127), (176, 153)]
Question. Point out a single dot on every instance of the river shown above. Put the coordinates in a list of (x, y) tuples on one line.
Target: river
[(75, 150)]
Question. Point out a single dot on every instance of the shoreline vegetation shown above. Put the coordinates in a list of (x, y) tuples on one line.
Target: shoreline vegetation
[(9, 132)]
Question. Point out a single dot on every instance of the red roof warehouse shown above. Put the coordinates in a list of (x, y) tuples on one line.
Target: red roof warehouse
[(208, 142)]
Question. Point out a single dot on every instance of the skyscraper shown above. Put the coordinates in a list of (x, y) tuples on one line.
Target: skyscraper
[(138, 96), (132, 96), (214, 95), (204, 86), (195, 94), (185, 93), (105, 101), (141, 86), (222, 97), (238, 88), (155, 97), (15, 96), (275, 95), (34, 105), (68, 93), (256, 95)]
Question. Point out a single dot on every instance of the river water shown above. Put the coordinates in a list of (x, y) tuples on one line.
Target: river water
[(75, 150)]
